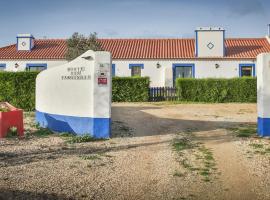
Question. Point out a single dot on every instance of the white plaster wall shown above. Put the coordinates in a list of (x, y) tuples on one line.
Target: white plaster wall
[(263, 88), (10, 64), (159, 77), (76, 97), (27, 44), (164, 75), (204, 38)]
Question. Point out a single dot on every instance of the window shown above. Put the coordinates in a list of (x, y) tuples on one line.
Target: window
[(113, 70), (136, 69), (246, 70), (183, 71), (2, 67), (36, 67)]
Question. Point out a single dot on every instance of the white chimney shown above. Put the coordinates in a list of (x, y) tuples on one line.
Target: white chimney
[(210, 42), (25, 42)]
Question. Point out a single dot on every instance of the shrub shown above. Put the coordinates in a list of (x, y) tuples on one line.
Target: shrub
[(217, 90), (130, 89), (18, 89)]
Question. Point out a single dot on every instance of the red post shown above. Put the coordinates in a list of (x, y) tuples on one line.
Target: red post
[(11, 118)]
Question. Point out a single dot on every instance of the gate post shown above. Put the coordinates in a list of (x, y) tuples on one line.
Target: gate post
[(263, 94)]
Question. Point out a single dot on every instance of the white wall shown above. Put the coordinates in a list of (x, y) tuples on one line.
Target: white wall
[(216, 38), (164, 75), (10, 64)]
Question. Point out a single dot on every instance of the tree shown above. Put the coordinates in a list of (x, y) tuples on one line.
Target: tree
[(78, 44)]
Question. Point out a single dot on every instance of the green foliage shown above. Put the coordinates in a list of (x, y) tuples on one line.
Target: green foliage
[(12, 132), (130, 89), (78, 44), (217, 90), (18, 88), (82, 139)]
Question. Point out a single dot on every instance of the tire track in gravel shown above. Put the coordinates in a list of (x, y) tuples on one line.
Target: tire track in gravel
[(237, 180)]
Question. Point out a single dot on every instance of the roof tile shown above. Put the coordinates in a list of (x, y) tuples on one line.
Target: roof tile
[(140, 48)]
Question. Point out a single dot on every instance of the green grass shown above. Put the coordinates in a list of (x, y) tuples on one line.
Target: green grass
[(178, 174), (182, 144), (42, 132), (12, 132), (256, 146), (82, 139), (244, 131), (90, 157)]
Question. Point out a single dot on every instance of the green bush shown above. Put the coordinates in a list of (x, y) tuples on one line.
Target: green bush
[(217, 90), (18, 89), (130, 89)]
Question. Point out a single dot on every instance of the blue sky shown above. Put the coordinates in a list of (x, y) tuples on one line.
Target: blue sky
[(131, 18)]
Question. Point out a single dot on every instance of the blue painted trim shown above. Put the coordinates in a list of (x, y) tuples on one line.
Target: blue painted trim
[(136, 65), (3, 65), (224, 48), (196, 43), (30, 46), (95, 127), (174, 65), (247, 65), (263, 126), (31, 65), (113, 70)]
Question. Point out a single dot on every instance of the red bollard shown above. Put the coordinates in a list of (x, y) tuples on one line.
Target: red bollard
[(11, 117)]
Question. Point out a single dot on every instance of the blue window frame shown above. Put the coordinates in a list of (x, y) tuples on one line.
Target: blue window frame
[(247, 70), (190, 70), (2, 67), (113, 70), (136, 69), (36, 67)]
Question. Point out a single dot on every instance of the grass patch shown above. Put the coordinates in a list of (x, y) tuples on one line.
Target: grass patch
[(256, 146), (42, 132), (82, 139), (12, 132), (182, 144), (90, 157), (244, 131), (178, 174)]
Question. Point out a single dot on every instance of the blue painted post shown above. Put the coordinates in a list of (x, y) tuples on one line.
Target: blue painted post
[(263, 94)]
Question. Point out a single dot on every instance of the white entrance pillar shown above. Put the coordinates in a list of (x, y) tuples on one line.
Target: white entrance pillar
[(263, 94), (76, 97)]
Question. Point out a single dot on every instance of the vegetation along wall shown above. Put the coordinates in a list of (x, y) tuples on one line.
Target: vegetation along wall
[(217, 90), (19, 89)]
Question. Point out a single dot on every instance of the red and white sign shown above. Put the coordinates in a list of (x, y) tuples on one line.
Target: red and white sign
[(102, 81)]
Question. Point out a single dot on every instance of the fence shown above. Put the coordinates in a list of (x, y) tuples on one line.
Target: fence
[(162, 94)]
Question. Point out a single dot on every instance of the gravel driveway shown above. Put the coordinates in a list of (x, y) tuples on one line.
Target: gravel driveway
[(158, 151)]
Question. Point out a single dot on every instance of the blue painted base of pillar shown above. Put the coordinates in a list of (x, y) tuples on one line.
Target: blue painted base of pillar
[(96, 127), (263, 126)]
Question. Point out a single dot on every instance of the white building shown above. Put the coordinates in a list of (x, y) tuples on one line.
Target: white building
[(209, 55)]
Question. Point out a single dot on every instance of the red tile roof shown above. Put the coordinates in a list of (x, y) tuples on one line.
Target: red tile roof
[(140, 49)]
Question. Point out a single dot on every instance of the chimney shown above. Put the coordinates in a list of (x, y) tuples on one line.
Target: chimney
[(210, 42), (25, 42), (268, 30)]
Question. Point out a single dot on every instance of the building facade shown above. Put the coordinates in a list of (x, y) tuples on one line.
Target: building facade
[(208, 55)]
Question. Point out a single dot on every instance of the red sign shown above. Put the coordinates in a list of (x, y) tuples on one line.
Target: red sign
[(102, 81)]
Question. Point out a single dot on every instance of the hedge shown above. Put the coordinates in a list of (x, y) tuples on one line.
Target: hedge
[(18, 88), (130, 89), (217, 90)]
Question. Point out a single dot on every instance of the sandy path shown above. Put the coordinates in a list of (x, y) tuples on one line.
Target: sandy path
[(138, 167), (237, 180)]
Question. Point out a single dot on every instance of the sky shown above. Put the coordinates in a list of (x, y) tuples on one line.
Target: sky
[(131, 18)]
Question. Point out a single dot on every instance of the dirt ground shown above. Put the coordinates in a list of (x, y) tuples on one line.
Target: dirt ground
[(157, 151)]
